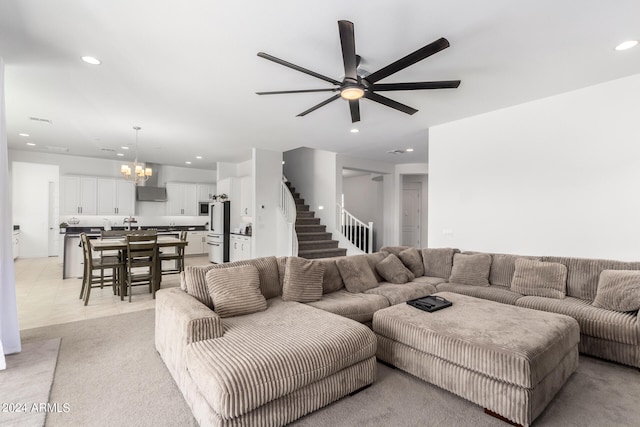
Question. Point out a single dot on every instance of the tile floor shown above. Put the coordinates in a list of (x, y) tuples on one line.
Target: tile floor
[(44, 298)]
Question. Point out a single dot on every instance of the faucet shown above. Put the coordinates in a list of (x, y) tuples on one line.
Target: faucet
[(129, 221)]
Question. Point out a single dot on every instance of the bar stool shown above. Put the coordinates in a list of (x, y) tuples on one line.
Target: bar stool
[(177, 257), (91, 265)]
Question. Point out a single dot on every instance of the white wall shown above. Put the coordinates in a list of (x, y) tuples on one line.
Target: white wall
[(557, 176), (267, 175), (30, 205)]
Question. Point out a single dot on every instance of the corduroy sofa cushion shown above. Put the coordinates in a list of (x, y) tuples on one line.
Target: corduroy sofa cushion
[(471, 269), (412, 258), (302, 280), (359, 307), (502, 268), (394, 271), (537, 278), (596, 322), (493, 293), (196, 283), (438, 261), (618, 290), (235, 291), (583, 273), (398, 294), (277, 351), (356, 273)]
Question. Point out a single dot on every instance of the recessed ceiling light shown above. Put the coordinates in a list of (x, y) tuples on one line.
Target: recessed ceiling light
[(120, 154), (409, 150), (23, 134), (627, 45), (198, 157), (354, 130), (91, 60), (188, 162), (124, 147), (31, 144)]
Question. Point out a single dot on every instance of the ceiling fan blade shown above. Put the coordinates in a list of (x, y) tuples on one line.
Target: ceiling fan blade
[(278, 92), (354, 106), (298, 68), (408, 60), (348, 42), (445, 84), (389, 102), (322, 104)]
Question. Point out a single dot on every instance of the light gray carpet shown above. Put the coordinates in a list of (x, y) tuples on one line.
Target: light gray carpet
[(110, 374), (25, 384)]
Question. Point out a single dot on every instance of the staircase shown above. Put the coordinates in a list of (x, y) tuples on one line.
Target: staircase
[(313, 239)]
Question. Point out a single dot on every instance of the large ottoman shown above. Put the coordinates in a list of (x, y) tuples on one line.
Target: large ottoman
[(510, 360)]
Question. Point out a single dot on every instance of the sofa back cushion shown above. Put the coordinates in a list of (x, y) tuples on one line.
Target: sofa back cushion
[(331, 279), (541, 279), (583, 274), (618, 290), (235, 291), (412, 259), (373, 259), (394, 271), (502, 268), (356, 273), (471, 269), (196, 283), (302, 280), (438, 261), (394, 249)]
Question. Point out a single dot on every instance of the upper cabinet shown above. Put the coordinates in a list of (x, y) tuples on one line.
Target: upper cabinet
[(79, 195), (246, 196), (182, 199), (115, 197), (206, 192)]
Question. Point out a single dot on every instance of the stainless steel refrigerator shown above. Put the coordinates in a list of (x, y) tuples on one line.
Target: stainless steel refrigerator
[(218, 235)]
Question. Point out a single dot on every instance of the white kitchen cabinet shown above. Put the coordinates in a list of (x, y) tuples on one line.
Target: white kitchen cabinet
[(206, 192), (246, 196), (239, 247), (115, 197), (79, 195), (196, 243), (182, 199), (16, 244)]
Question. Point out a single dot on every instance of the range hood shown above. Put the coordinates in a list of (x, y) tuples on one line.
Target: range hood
[(149, 191), (146, 193)]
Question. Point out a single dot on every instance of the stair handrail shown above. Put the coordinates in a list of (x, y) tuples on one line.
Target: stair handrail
[(289, 212), (352, 229)]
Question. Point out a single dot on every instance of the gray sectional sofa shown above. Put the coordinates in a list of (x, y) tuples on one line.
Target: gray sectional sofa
[(294, 335)]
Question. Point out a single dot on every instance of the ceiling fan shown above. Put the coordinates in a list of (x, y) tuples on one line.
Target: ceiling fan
[(355, 86)]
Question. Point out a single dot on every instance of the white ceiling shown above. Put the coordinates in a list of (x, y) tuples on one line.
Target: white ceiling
[(187, 71)]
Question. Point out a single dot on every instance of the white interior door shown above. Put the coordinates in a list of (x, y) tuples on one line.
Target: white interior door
[(52, 216), (411, 202)]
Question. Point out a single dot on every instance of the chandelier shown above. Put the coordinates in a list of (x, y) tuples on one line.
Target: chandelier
[(139, 173)]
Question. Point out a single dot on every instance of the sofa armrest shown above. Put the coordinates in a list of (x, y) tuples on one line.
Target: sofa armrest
[(181, 314), (180, 321)]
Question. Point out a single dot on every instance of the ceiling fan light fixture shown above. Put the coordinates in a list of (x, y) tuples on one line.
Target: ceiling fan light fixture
[(351, 93)]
